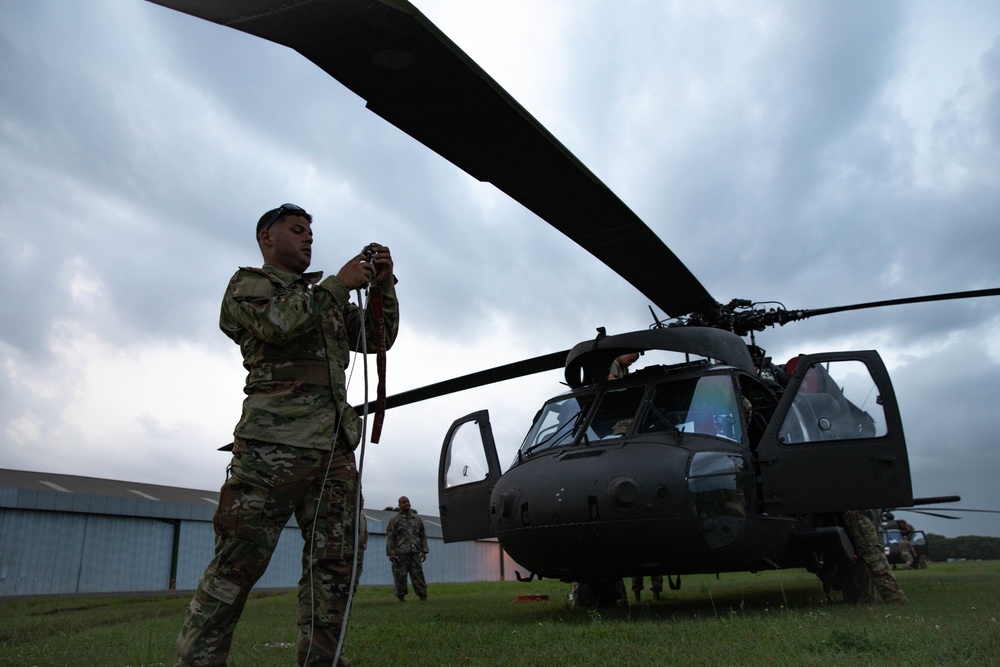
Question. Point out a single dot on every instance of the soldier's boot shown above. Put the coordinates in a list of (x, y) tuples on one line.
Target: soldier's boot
[(636, 595), (898, 597), (656, 596), (886, 584), (401, 598)]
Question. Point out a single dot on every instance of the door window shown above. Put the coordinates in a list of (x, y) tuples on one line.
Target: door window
[(837, 400), (466, 462)]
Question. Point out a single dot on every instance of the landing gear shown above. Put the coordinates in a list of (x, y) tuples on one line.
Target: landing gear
[(840, 579), (598, 593)]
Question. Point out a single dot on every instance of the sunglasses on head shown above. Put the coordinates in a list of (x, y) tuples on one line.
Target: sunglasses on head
[(283, 210)]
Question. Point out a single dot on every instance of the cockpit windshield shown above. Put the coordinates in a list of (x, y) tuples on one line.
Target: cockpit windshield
[(557, 424), (707, 405)]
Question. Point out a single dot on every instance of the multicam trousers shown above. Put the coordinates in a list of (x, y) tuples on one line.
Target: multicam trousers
[(268, 484), (871, 572), (408, 564), (655, 583)]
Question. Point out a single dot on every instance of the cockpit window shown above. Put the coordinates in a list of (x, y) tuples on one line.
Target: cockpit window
[(707, 405), (557, 424), (615, 414)]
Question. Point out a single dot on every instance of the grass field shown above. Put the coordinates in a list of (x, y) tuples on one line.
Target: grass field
[(776, 618)]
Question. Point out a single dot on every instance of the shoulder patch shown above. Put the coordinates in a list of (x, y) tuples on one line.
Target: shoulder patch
[(251, 283)]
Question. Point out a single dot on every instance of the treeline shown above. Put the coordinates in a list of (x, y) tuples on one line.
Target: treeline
[(970, 547)]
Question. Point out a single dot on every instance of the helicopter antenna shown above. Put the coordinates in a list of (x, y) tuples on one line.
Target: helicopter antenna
[(657, 322)]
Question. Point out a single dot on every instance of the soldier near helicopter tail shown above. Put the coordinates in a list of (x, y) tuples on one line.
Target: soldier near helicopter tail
[(871, 571), (406, 547), (293, 452)]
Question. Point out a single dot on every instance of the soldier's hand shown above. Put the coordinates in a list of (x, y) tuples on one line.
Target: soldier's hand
[(381, 259), (356, 273)]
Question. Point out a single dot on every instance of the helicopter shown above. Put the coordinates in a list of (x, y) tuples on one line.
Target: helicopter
[(667, 470)]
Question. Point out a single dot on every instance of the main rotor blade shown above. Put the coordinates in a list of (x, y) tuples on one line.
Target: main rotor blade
[(954, 509), (416, 78), (741, 322), (927, 513), (898, 302), (546, 362)]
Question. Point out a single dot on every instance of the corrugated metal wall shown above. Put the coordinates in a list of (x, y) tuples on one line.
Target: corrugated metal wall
[(45, 552), (59, 552)]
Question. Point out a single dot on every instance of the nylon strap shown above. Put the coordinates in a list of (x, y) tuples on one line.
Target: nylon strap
[(375, 303)]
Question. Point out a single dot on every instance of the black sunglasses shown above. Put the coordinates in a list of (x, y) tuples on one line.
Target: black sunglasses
[(283, 210)]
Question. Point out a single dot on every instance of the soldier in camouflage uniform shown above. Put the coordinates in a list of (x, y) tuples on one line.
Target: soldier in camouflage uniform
[(294, 445), (406, 547), (655, 585), (871, 572)]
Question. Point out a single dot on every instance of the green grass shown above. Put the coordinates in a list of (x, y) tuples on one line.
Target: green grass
[(777, 618)]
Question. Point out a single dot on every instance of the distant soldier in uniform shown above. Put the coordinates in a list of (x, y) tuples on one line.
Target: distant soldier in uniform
[(906, 549), (655, 585), (406, 547), (293, 452), (871, 572)]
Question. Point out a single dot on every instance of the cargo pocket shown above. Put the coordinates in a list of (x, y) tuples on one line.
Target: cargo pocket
[(223, 590), (339, 528)]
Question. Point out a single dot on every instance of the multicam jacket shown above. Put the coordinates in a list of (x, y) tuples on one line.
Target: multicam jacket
[(296, 334), (405, 534)]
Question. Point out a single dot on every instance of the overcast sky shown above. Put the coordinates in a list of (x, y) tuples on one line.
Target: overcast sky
[(813, 153)]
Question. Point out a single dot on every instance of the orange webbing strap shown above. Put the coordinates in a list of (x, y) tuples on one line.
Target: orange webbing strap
[(375, 303)]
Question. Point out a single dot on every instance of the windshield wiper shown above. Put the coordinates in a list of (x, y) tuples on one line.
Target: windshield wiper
[(572, 421)]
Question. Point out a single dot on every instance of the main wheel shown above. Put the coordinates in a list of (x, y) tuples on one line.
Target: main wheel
[(598, 593)]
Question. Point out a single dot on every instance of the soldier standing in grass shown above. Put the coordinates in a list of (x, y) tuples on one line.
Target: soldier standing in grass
[(293, 452), (406, 547), (871, 572)]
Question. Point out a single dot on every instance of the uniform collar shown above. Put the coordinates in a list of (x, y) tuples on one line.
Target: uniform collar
[(287, 277)]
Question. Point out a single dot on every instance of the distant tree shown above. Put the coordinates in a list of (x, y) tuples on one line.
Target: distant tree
[(970, 547)]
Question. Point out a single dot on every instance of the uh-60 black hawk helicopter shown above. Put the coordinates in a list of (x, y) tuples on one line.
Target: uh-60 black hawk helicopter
[(722, 462)]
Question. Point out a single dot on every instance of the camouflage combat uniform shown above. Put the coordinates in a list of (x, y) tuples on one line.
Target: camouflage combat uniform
[(871, 572), (297, 435), (406, 541), (655, 585)]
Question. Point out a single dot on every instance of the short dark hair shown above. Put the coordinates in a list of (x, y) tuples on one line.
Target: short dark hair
[(278, 214)]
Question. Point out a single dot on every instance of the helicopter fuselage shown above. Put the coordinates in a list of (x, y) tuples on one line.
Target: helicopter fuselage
[(630, 507), (698, 467)]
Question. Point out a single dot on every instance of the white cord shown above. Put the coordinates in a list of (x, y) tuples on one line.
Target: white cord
[(357, 499)]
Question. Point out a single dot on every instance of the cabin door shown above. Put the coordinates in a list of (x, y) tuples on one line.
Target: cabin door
[(468, 471), (835, 441)]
